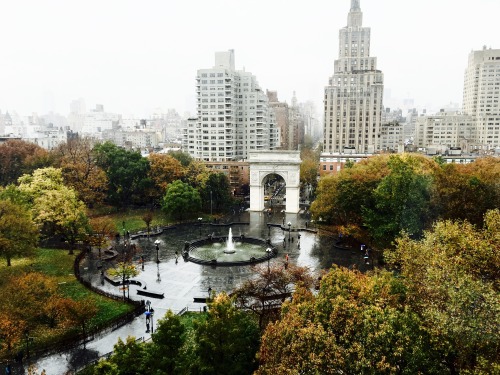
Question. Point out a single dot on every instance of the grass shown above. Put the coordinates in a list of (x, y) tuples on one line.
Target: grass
[(133, 218), (59, 264)]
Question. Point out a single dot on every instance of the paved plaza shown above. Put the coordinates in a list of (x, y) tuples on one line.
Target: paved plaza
[(181, 282)]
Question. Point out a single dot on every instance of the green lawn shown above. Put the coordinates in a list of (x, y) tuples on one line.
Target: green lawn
[(132, 218)]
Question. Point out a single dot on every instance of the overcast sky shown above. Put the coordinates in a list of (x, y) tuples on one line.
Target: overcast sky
[(134, 56)]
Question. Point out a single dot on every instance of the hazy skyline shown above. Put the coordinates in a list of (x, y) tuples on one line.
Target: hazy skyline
[(133, 56)]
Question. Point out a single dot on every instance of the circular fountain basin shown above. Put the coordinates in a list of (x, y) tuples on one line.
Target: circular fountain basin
[(213, 251)]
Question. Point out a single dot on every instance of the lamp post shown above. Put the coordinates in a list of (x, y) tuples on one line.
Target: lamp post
[(157, 243), (152, 311), (289, 230), (210, 202), (199, 221), (268, 251)]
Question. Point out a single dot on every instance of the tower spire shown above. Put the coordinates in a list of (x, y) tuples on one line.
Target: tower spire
[(355, 16)]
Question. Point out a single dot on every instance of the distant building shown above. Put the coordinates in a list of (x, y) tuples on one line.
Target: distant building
[(233, 114), (392, 131), (133, 139), (97, 121), (237, 172), (353, 97), (445, 130), (481, 97), (282, 113)]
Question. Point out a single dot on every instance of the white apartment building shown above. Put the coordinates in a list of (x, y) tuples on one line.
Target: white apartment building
[(482, 95), (233, 114), (353, 98), (445, 130), (137, 139)]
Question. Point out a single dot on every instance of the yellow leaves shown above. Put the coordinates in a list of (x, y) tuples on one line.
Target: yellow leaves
[(124, 270)]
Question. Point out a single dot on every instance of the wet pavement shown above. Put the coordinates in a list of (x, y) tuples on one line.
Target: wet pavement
[(181, 281)]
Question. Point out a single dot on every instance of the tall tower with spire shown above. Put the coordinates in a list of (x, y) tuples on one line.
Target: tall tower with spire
[(353, 97)]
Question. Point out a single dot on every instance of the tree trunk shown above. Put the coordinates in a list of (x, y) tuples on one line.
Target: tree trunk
[(8, 261)]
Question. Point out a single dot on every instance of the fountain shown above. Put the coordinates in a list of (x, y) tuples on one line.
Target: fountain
[(230, 243), (226, 251)]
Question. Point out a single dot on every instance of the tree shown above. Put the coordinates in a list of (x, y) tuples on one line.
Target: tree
[(147, 217), (356, 324), (216, 194), (11, 331), (128, 357), (401, 201), (162, 356), (164, 170), (65, 213), (452, 279), (466, 192), (20, 157), (183, 157), (55, 207), (181, 199), (340, 197), (80, 312), (309, 173), (102, 229), (227, 340), (18, 233), (80, 171), (29, 294), (264, 294), (124, 270), (196, 174), (127, 173), (309, 167)]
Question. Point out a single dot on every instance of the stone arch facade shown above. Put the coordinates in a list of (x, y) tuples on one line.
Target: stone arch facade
[(283, 163)]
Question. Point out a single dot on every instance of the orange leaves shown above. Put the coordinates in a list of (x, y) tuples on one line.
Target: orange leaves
[(165, 169), (80, 170)]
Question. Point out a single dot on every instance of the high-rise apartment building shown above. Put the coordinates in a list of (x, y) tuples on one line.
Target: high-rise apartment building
[(353, 97), (281, 112), (233, 114), (482, 95)]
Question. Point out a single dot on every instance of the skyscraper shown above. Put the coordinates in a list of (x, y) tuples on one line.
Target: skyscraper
[(233, 114), (353, 97), (482, 94)]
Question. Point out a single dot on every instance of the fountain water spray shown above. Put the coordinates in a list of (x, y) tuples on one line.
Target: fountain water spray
[(229, 243)]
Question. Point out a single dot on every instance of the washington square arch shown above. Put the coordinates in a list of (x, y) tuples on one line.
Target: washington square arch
[(272, 172)]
